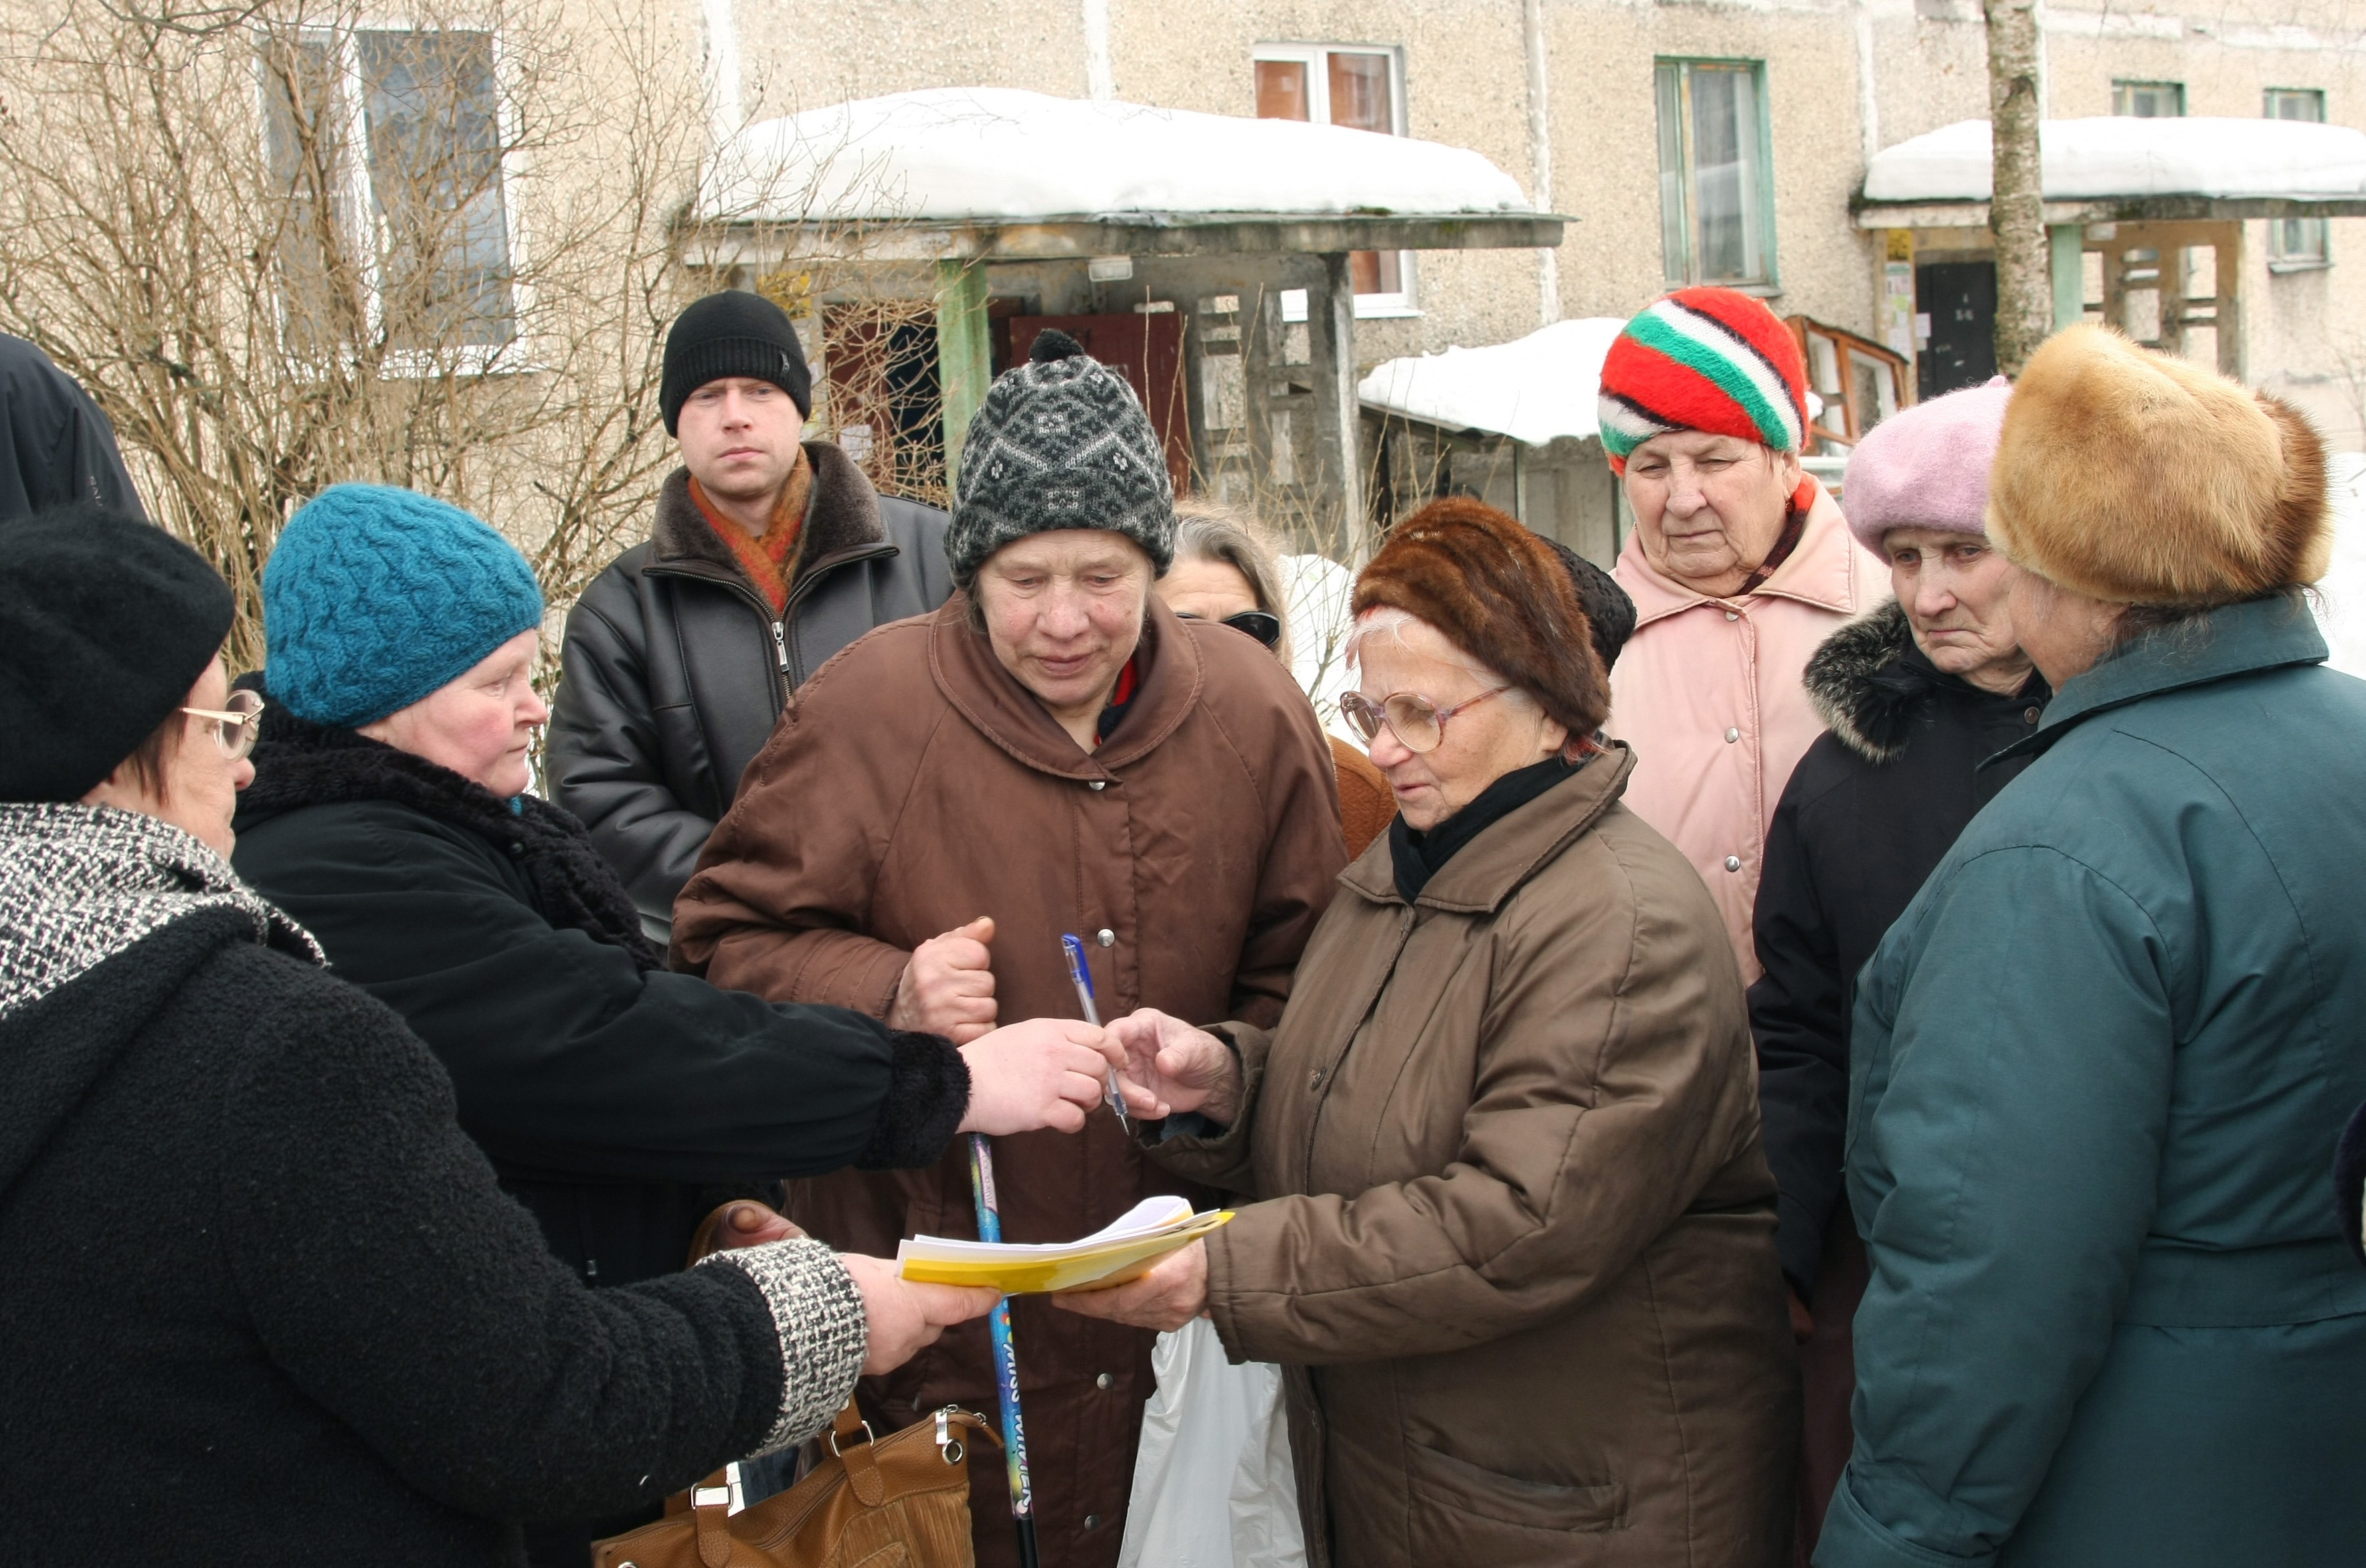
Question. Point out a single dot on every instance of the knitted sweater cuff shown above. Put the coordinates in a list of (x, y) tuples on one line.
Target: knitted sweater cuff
[(928, 1095), (817, 1312)]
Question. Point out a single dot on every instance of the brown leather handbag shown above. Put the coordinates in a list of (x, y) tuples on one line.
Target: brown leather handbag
[(900, 1502)]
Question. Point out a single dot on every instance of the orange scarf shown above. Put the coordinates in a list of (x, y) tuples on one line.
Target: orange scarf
[(769, 563)]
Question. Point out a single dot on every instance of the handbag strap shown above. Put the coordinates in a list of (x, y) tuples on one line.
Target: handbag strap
[(710, 1512), (862, 1465)]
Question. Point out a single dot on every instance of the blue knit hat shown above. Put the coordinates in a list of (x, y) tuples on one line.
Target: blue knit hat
[(376, 597)]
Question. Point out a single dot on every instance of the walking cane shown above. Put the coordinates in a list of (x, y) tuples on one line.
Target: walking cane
[(1006, 1365)]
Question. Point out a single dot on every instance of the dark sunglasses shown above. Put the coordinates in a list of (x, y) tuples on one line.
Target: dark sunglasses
[(1257, 624)]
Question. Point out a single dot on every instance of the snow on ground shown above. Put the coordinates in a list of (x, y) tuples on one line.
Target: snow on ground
[(997, 152), (2121, 155), (1532, 389)]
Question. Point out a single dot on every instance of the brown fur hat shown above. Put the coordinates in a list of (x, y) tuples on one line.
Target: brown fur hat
[(1498, 593), (2136, 478)]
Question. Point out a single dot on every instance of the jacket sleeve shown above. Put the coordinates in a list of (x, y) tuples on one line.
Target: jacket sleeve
[(1794, 1016), (568, 1056), (1601, 1113), (2016, 1054), (1304, 853), (387, 1275), (603, 753), (782, 913)]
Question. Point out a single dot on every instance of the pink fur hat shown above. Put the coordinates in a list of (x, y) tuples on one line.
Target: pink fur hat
[(1926, 466)]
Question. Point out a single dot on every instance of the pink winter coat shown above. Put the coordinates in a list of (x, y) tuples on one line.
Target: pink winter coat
[(1707, 692)]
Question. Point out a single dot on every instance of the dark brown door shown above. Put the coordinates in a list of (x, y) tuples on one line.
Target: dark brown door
[(1147, 349)]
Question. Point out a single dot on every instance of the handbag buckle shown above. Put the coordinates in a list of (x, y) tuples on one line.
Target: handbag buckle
[(948, 1448), (832, 1436)]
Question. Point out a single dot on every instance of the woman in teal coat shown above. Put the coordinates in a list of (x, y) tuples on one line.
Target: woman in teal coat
[(2102, 1060)]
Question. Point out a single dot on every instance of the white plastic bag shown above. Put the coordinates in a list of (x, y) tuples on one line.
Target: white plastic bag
[(1213, 1486)]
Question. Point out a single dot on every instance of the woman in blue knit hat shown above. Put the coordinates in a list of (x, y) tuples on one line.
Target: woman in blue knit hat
[(619, 1102)]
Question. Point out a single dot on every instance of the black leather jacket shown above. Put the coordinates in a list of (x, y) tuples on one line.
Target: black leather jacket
[(675, 670)]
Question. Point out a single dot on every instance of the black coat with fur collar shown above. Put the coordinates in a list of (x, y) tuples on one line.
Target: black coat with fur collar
[(675, 669), (1870, 811), (617, 1100)]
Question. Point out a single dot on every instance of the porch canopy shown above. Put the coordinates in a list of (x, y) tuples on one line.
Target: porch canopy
[(1534, 389), (2122, 168), (999, 189)]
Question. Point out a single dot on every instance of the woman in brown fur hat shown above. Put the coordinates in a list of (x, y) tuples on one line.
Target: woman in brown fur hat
[(2101, 1063), (1517, 1249)]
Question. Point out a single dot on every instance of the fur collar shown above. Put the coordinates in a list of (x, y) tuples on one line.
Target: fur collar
[(842, 514), (1865, 688), (300, 764)]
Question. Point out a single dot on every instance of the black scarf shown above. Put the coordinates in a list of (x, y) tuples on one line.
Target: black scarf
[(299, 763), (1418, 856)]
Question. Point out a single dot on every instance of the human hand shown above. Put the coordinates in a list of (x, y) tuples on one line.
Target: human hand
[(1178, 1066), (947, 987), (1173, 1294), (1046, 1072), (746, 1222), (905, 1316)]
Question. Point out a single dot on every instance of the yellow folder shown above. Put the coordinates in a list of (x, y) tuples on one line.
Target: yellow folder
[(1123, 1252)]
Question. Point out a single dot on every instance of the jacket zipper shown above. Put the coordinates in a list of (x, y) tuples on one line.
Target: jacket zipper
[(780, 648), (780, 627)]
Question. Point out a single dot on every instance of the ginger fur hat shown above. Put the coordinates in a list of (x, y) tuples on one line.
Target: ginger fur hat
[(1499, 593), (2136, 478)]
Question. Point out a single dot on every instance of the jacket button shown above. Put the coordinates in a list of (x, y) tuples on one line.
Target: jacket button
[(1314, 1078), (1105, 1381), (2029, 715), (1092, 1521), (1105, 936), (1096, 784), (1733, 862), (517, 848), (1732, 736), (1733, 615)]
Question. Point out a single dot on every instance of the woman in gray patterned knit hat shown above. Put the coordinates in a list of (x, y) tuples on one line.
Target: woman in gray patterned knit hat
[(1051, 752), (263, 1292)]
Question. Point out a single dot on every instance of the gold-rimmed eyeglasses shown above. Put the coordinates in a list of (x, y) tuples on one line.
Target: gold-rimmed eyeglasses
[(235, 728), (1418, 725)]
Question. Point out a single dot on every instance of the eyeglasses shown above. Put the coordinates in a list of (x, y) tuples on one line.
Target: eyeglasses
[(235, 730), (1418, 723), (1264, 625)]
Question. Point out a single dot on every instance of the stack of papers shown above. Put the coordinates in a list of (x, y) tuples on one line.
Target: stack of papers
[(1112, 1256)]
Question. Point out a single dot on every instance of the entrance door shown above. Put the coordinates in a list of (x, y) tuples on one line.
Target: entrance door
[(1147, 349), (1960, 297)]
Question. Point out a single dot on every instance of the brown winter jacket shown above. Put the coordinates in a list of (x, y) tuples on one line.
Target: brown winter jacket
[(915, 785), (1518, 1246)]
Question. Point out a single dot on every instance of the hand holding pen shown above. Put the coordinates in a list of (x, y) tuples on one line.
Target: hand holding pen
[(1082, 976)]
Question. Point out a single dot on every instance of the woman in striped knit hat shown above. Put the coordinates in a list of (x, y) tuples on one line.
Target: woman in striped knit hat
[(1739, 567)]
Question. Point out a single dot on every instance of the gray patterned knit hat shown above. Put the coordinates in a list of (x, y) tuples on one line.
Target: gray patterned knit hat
[(1061, 441)]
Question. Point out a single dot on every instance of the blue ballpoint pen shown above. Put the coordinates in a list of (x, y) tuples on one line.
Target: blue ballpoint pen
[(1074, 949)]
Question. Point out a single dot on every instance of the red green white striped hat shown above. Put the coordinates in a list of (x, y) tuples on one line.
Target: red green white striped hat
[(1703, 359)]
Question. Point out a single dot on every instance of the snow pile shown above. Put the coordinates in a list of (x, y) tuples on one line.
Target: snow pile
[(2120, 156), (1534, 389), (2341, 611), (997, 152)]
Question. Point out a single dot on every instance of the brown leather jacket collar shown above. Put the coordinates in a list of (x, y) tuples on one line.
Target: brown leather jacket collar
[(962, 664), (841, 515), (1492, 867)]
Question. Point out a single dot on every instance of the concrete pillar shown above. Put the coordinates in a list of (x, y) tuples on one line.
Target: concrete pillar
[(964, 353), (1330, 351)]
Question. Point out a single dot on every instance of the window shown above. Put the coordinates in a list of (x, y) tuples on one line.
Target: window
[(1716, 214), (2295, 242), (1362, 88), (388, 145), (2148, 100)]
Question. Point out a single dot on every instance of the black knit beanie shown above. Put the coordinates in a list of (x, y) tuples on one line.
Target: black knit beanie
[(1060, 443), (735, 332), (106, 621), (1607, 609)]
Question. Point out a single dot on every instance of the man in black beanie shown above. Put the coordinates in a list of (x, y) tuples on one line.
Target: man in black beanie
[(769, 555)]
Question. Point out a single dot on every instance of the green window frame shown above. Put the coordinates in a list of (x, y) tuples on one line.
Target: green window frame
[(1717, 173), (2296, 243)]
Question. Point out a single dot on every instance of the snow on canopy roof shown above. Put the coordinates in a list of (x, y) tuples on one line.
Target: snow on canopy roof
[(1532, 389), (999, 154), (2122, 156)]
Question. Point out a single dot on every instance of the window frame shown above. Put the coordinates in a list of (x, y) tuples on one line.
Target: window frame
[(1688, 276), (1406, 300), (355, 202), (2279, 259), (2131, 84)]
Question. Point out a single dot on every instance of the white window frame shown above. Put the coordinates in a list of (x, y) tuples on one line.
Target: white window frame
[(1315, 57), (2279, 260), (355, 208)]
